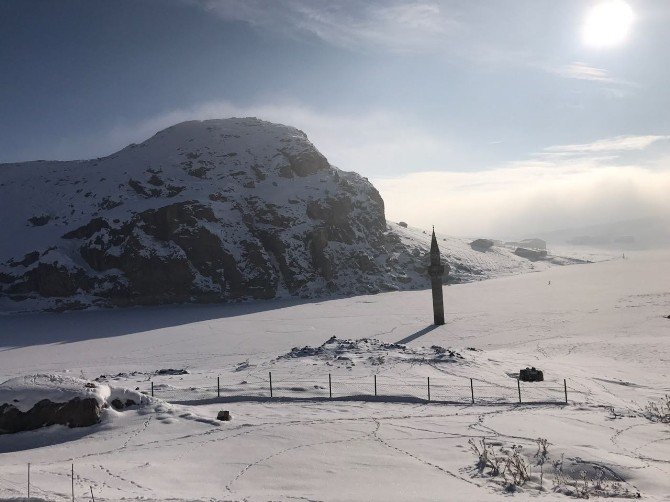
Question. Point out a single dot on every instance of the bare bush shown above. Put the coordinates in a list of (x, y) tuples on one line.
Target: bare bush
[(541, 456), (486, 457), (659, 411), (507, 463), (511, 470), (582, 485), (517, 470)]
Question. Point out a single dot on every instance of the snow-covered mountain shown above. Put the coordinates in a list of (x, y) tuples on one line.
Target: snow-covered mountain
[(208, 211)]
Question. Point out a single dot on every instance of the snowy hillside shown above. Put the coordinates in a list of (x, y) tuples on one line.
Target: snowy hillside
[(208, 211), (602, 327)]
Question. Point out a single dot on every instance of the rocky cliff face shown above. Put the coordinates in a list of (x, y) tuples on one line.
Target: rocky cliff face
[(201, 212)]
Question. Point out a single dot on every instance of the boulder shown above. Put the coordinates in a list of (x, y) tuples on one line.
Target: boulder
[(481, 244), (117, 404), (77, 412), (224, 416), (531, 375)]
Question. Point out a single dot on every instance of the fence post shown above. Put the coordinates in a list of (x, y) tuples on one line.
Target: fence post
[(270, 383), (72, 482), (375, 385), (218, 386), (428, 388), (565, 389), (472, 391), (518, 384), (330, 387), (152, 388), (92, 497), (28, 481)]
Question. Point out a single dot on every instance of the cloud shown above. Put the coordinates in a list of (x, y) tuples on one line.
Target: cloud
[(373, 141), (394, 25), (560, 186), (616, 144), (582, 71), (471, 31), (612, 86), (521, 201), (541, 194)]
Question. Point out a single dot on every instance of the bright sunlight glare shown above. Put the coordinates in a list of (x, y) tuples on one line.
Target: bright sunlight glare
[(607, 24)]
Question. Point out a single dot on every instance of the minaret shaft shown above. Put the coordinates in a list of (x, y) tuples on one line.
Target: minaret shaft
[(436, 271), (438, 301)]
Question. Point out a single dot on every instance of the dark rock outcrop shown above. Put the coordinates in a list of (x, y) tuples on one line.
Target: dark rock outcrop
[(77, 412), (531, 254), (481, 244)]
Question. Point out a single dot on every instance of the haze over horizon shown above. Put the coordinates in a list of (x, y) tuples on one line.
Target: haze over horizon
[(491, 118)]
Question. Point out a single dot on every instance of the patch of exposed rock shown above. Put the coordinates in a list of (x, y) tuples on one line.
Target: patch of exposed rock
[(370, 351), (77, 412), (531, 254), (482, 245)]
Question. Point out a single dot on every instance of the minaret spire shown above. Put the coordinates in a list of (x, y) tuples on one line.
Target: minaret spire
[(436, 271)]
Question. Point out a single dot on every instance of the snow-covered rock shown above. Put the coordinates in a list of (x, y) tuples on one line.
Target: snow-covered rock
[(203, 211), (35, 401)]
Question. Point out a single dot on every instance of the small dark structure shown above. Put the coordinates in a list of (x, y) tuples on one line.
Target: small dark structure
[(224, 416), (531, 375), (436, 271), (531, 254)]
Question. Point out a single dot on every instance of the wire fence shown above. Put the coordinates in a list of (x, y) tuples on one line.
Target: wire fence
[(36, 484), (372, 388)]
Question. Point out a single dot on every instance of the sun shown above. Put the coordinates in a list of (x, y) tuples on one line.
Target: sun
[(607, 24)]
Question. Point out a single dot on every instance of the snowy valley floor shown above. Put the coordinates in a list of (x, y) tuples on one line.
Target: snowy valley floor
[(600, 326)]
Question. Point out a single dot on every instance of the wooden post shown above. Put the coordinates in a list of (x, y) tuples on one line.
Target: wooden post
[(330, 387), (218, 386), (518, 384), (375, 385), (270, 383), (472, 391), (428, 388), (72, 482), (565, 389), (92, 497), (152, 388), (28, 481)]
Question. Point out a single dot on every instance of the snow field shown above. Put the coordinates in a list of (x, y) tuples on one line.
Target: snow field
[(601, 326)]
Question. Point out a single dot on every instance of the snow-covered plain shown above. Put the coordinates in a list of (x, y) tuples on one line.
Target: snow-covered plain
[(601, 326)]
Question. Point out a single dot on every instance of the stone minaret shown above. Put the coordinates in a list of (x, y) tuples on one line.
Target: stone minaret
[(436, 271)]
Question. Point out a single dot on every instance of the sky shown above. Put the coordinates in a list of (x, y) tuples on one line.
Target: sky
[(485, 118)]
